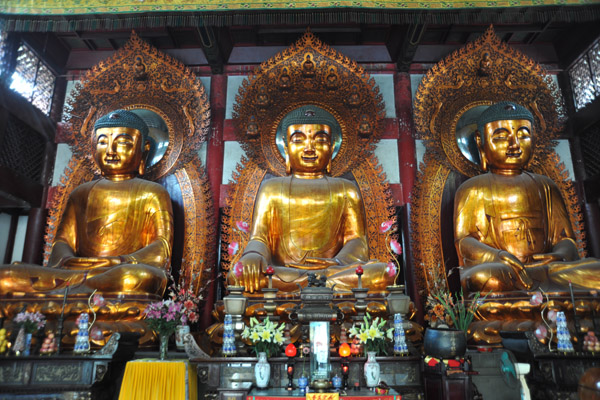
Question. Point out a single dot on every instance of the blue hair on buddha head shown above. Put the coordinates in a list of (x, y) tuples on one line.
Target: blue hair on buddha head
[(309, 115), (503, 111), (123, 119)]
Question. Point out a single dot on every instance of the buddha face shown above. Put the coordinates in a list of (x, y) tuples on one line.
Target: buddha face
[(507, 145), (309, 148), (118, 151)]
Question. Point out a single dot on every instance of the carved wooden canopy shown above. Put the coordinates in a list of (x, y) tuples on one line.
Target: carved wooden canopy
[(447, 102), (308, 72), (140, 78)]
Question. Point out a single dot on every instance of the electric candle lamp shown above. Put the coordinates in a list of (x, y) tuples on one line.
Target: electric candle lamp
[(344, 352), (290, 351), (359, 272), (269, 272)]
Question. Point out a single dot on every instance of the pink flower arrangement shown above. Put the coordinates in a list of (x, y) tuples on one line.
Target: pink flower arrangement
[(396, 247), (233, 248), (536, 299), (541, 332), (98, 300), (180, 308), (386, 226), (393, 247), (238, 271), (243, 226), (390, 269), (164, 316), (31, 322), (184, 294)]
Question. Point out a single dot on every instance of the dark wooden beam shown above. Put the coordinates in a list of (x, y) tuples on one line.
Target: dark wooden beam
[(172, 37), (213, 49), (409, 46), (20, 187), (571, 45), (587, 116), (87, 59), (425, 54), (12, 232), (394, 40)]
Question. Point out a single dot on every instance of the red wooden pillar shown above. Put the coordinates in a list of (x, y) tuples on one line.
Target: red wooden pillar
[(406, 143), (214, 169), (408, 168)]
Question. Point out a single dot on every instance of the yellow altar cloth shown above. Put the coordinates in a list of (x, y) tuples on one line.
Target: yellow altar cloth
[(159, 380)]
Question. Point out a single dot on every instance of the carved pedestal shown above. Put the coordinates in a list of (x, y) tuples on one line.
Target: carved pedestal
[(66, 376), (61, 376)]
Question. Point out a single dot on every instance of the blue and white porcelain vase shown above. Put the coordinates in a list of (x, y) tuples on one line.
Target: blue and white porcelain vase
[(27, 350), (82, 340), (372, 370), (180, 333), (302, 383), (400, 347), (229, 348), (262, 371)]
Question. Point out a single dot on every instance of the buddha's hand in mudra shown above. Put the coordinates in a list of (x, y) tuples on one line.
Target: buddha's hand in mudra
[(545, 258), (89, 262), (314, 263), (512, 261), (253, 266)]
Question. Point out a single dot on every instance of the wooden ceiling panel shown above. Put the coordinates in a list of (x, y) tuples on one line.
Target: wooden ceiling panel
[(404, 42)]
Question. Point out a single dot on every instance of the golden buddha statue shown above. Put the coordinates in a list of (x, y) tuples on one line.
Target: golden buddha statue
[(308, 221), (511, 227), (116, 232)]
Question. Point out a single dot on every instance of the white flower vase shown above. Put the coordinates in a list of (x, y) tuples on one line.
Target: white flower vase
[(262, 371), (372, 370), (179, 335)]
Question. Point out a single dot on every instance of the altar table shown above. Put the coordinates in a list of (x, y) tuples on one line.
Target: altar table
[(159, 380), (350, 394)]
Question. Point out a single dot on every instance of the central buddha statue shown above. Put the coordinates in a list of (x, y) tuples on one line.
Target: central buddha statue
[(511, 227), (116, 232), (308, 221)]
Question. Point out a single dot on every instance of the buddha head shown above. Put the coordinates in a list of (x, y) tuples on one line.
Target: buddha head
[(121, 144), (308, 137), (505, 138)]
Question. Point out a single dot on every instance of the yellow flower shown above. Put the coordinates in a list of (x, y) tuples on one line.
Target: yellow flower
[(254, 336), (266, 335), (363, 336), (373, 333), (278, 337)]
